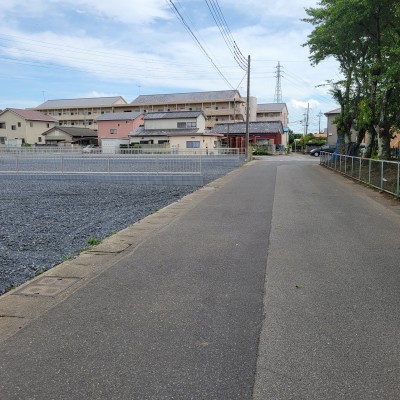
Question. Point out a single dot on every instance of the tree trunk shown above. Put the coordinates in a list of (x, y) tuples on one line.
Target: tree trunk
[(370, 142)]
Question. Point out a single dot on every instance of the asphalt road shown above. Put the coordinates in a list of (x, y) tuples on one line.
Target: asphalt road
[(282, 283)]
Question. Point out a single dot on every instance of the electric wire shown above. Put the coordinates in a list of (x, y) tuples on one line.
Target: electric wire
[(220, 21), (196, 40)]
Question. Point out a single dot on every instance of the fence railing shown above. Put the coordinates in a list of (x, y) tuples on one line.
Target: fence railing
[(380, 174), (78, 150), (95, 164)]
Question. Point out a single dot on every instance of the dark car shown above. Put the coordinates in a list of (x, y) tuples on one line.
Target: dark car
[(325, 147)]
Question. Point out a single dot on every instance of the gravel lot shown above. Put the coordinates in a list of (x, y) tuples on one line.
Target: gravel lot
[(45, 221)]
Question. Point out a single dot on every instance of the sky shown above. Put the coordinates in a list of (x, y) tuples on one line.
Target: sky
[(62, 49)]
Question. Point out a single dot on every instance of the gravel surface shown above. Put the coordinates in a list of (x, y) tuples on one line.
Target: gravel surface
[(44, 222)]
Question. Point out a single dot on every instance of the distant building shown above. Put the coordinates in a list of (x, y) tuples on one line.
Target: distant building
[(235, 134), (218, 106), (180, 130), (269, 112), (24, 126), (118, 125), (67, 136), (81, 112)]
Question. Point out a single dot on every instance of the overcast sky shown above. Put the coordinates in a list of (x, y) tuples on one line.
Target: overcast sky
[(60, 49)]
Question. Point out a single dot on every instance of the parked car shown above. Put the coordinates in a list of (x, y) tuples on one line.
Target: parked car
[(89, 148), (325, 147)]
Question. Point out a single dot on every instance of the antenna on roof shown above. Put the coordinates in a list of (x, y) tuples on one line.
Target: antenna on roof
[(44, 99)]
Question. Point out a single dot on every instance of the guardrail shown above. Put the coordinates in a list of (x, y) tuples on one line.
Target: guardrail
[(380, 174)]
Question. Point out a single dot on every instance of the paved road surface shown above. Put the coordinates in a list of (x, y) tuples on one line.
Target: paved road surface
[(281, 283)]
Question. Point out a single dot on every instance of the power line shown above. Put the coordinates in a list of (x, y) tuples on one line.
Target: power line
[(226, 33), (196, 40)]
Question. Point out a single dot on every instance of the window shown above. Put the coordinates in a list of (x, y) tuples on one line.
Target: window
[(186, 125), (48, 125), (19, 124), (13, 127), (193, 144), (2, 125), (113, 131), (31, 124), (2, 140), (39, 139)]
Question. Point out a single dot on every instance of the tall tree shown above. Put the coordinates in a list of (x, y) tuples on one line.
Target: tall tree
[(363, 36)]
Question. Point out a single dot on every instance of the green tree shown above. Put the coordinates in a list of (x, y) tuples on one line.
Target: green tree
[(363, 36)]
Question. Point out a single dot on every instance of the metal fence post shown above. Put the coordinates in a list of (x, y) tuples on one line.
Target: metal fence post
[(369, 171), (381, 175), (398, 180), (352, 166), (62, 165)]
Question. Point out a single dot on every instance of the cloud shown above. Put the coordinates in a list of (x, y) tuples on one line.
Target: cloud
[(128, 12), (299, 104)]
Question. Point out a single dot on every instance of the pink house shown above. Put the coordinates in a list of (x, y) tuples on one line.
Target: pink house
[(118, 125)]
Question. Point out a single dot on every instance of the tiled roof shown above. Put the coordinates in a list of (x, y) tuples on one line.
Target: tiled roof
[(140, 131), (335, 111), (272, 107), (254, 127), (194, 97), (83, 102), (31, 115), (183, 132), (172, 115), (74, 132), (121, 116)]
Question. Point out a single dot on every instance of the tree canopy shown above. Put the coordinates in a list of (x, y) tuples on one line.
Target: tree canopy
[(364, 37)]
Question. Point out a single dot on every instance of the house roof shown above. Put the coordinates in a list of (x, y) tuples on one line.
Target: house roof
[(74, 132), (335, 111), (239, 128), (189, 133), (141, 131), (30, 115), (172, 115), (83, 102), (273, 107), (120, 116), (194, 97)]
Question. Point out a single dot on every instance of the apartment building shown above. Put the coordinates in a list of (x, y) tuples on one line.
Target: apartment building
[(269, 112), (82, 112), (224, 106)]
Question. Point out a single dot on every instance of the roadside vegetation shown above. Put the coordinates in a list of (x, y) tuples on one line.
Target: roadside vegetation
[(364, 37)]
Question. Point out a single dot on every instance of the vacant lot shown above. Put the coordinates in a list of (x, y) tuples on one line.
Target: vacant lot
[(45, 221)]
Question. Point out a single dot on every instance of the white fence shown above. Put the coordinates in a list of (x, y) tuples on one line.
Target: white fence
[(380, 174)]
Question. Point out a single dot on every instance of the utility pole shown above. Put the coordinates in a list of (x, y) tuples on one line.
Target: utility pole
[(319, 121), (278, 88), (307, 117), (248, 111)]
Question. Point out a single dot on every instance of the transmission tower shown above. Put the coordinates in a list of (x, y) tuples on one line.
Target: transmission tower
[(278, 88)]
